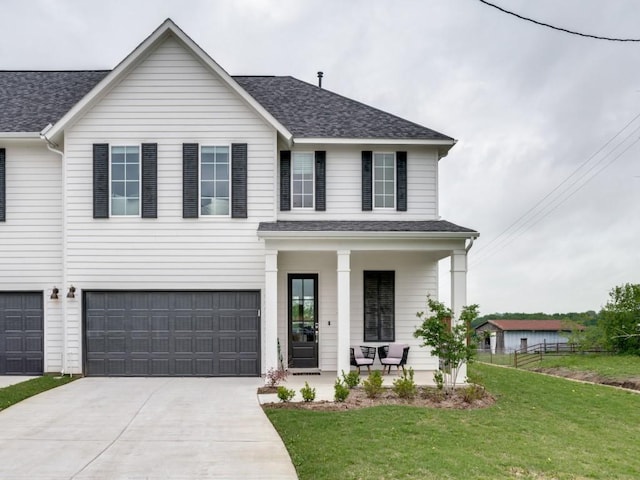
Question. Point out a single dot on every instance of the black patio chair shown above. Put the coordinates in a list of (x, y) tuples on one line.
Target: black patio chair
[(394, 354), (363, 357)]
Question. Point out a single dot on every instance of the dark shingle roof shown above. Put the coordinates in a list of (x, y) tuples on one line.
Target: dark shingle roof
[(427, 226), (30, 100), (310, 111)]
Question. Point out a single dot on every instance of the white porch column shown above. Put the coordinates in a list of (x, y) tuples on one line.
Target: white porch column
[(459, 293), (270, 313), (344, 310), (458, 281)]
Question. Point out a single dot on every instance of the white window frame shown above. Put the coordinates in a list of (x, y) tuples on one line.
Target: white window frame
[(200, 213), (395, 182), (313, 181), (125, 145)]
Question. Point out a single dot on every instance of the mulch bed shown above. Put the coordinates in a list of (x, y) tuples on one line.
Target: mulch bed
[(428, 397), (630, 383)]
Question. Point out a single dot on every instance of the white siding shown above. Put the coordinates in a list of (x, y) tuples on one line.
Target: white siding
[(416, 275), (169, 99), (31, 237), (512, 338), (344, 185)]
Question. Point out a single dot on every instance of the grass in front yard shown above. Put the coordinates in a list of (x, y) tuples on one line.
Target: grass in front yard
[(609, 366), (16, 393), (540, 428)]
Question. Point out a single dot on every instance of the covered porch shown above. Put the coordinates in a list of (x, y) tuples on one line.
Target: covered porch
[(333, 285)]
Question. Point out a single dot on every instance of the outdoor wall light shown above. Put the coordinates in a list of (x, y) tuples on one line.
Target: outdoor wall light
[(72, 292), (54, 293)]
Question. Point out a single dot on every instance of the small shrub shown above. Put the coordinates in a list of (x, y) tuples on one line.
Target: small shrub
[(341, 391), (285, 394), (275, 376), (438, 378), (373, 384), (351, 379), (404, 386), (472, 393), (308, 393)]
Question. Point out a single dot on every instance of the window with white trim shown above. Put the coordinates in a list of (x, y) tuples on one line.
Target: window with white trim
[(125, 180), (384, 180), (302, 178), (215, 185)]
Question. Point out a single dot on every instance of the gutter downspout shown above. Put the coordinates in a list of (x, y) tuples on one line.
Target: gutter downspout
[(52, 147), (468, 247)]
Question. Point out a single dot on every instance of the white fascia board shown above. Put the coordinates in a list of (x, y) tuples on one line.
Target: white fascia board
[(372, 141), (360, 235), (19, 135), (135, 57)]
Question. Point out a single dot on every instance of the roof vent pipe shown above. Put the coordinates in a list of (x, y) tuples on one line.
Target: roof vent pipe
[(320, 75)]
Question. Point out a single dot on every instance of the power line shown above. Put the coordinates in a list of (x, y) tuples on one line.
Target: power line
[(597, 37), (531, 218)]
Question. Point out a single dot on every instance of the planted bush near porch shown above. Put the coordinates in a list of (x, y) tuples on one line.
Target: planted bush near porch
[(539, 427)]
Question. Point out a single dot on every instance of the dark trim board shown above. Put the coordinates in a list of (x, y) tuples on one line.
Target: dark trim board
[(201, 333)]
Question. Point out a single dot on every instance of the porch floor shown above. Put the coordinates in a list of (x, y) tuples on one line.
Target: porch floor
[(324, 382)]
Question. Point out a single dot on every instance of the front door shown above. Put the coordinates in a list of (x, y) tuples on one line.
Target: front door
[(303, 320)]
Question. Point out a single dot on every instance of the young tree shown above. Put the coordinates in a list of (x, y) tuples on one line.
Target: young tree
[(450, 343), (620, 319)]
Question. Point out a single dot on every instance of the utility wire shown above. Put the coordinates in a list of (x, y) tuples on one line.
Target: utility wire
[(522, 217), (528, 220), (597, 37)]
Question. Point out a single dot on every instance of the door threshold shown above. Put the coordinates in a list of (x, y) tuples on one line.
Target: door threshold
[(305, 371)]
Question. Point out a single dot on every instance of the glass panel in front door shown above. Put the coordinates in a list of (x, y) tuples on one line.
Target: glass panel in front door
[(303, 308)]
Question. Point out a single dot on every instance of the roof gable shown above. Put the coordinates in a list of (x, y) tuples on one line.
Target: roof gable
[(168, 28)]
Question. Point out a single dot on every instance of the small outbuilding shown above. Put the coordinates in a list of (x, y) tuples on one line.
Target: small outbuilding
[(506, 336)]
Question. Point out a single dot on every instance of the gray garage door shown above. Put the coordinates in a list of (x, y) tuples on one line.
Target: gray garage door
[(21, 334), (172, 333)]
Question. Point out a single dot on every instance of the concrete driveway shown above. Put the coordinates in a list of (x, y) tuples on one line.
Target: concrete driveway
[(143, 428)]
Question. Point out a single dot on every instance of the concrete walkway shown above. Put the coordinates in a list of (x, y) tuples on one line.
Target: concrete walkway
[(143, 428), (8, 380)]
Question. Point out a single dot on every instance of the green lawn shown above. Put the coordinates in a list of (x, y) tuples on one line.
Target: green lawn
[(609, 366), (540, 428), (16, 393)]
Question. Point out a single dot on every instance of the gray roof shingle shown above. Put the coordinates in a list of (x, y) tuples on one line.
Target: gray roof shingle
[(310, 111), (30, 100), (425, 226)]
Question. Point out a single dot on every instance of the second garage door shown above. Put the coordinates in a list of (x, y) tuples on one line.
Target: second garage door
[(214, 333)]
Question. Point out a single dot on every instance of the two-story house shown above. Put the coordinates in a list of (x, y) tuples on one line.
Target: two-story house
[(166, 218)]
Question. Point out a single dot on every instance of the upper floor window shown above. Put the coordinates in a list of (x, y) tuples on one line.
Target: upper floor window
[(302, 180), (214, 180), (384, 167), (125, 180)]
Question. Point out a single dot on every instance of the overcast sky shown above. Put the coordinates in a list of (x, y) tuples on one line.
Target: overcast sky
[(528, 105)]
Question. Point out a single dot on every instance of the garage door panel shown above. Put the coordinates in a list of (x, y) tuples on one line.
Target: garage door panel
[(173, 333), (160, 345), (21, 333)]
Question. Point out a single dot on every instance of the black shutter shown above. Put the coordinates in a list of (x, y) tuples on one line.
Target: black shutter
[(285, 180), (190, 201), (379, 306), (149, 180), (3, 186), (239, 180), (401, 181), (321, 187), (100, 180), (367, 172)]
